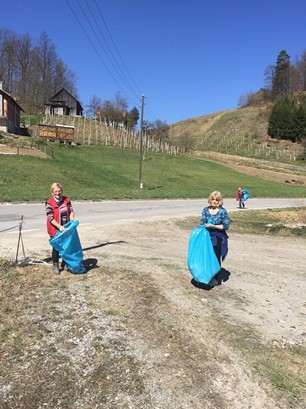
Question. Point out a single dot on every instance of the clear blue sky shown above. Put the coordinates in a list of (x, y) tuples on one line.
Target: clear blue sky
[(189, 58)]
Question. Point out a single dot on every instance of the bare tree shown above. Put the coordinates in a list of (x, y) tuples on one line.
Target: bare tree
[(268, 76), (94, 106), (24, 65), (300, 65), (245, 99), (63, 77), (8, 70), (120, 102), (45, 56), (114, 112), (159, 130)]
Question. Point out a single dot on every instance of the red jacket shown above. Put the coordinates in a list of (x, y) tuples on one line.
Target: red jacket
[(239, 194), (53, 208)]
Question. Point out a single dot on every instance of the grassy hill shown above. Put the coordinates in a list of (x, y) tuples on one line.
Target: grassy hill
[(239, 132)]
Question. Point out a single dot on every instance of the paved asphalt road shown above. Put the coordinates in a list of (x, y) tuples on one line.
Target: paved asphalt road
[(109, 212)]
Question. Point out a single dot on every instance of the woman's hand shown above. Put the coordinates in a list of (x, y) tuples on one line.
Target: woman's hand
[(209, 226), (61, 228)]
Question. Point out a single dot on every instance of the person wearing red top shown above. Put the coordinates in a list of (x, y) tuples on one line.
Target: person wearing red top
[(240, 198), (59, 211)]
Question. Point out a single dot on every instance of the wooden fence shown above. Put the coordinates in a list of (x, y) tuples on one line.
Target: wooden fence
[(92, 132)]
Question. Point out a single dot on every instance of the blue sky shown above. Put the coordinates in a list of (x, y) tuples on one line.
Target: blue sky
[(188, 58)]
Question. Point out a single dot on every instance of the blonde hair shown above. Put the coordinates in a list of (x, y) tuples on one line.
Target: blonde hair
[(54, 185), (215, 195)]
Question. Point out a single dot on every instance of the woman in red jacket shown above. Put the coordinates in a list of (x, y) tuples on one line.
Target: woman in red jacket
[(240, 198), (59, 211)]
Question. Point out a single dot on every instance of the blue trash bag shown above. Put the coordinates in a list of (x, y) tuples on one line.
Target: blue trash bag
[(67, 243), (202, 261), (246, 194)]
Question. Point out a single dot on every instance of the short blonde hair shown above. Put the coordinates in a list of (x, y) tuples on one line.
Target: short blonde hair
[(215, 195), (54, 185)]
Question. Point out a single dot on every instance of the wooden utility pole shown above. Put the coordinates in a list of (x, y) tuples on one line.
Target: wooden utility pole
[(140, 185)]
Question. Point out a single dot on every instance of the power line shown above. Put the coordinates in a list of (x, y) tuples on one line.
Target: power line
[(96, 50), (116, 48), (114, 63), (110, 51)]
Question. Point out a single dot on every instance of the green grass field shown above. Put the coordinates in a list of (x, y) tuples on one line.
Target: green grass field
[(98, 173)]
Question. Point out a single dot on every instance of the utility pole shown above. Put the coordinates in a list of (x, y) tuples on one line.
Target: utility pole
[(140, 185)]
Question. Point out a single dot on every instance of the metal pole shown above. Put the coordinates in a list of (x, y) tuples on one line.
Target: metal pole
[(140, 185), (20, 241)]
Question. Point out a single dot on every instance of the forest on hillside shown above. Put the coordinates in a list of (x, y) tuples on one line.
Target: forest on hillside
[(286, 90), (31, 71), (282, 78)]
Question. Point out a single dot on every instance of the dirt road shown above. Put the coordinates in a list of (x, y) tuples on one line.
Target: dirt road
[(135, 333)]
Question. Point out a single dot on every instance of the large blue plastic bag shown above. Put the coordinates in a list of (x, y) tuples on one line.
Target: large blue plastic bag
[(201, 260), (246, 194), (67, 243)]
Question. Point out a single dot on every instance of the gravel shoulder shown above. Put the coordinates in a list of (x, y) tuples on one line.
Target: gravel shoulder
[(133, 332)]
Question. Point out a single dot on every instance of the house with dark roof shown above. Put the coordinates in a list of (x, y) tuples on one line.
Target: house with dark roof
[(9, 112), (63, 103)]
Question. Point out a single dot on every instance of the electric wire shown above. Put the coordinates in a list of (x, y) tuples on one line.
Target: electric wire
[(115, 46), (114, 63), (110, 51), (96, 50)]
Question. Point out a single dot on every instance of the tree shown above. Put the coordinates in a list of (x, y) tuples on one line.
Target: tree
[(301, 68), (8, 59), (120, 102), (32, 72), (63, 77), (158, 130), (268, 77), (245, 99), (280, 120), (187, 141), (45, 56), (93, 106), (281, 77), (299, 124), (109, 114), (132, 118), (24, 62), (114, 112), (254, 98)]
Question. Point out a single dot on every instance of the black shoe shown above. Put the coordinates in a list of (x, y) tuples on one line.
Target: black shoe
[(213, 282)]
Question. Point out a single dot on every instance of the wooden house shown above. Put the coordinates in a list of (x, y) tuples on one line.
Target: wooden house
[(9, 112), (63, 103)]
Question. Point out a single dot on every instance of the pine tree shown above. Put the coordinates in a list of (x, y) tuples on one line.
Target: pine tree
[(281, 75), (299, 124), (132, 118), (280, 123)]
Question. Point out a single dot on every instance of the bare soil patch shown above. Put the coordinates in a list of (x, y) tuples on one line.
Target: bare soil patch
[(24, 151), (133, 332), (278, 172)]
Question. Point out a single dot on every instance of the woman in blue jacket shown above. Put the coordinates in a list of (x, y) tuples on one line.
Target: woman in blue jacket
[(216, 220)]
